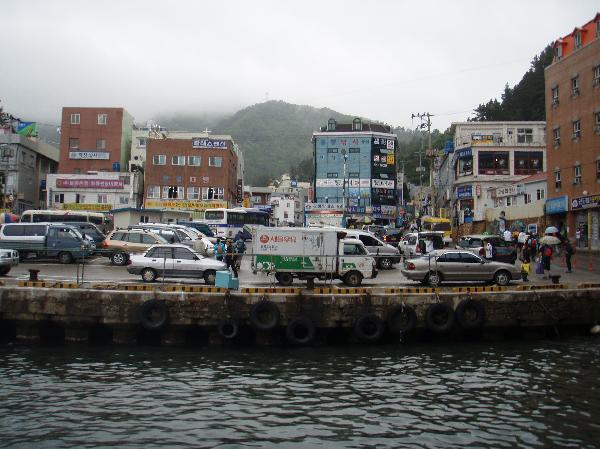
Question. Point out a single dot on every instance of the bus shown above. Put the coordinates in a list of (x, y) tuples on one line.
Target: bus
[(65, 216), (226, 223), (438, 224)]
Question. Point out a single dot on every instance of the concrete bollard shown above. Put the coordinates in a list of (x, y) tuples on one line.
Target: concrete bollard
[(33, 274)]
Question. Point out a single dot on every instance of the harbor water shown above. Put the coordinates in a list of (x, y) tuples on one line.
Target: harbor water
[(529, 394)]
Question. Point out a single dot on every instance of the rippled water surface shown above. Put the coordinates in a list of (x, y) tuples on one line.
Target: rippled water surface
[(539, 394)]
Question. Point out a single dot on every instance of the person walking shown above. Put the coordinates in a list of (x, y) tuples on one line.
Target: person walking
[(230, 257), (546, 255), (489, 251), (525, 262), (239, 246), (569, 250), (219, 249)]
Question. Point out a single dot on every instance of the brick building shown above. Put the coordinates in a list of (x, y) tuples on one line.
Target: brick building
[(94, 139), (573, 144), (191, 174)]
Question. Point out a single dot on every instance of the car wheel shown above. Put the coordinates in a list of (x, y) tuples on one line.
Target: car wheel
[(502, 278), (65, 258), (209, 277), (385, 263), (353, 279), (434, 279), (4, 271), (119, 258), (148, 275)]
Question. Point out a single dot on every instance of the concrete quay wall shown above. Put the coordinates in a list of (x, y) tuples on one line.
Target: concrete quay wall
[(114, 316)]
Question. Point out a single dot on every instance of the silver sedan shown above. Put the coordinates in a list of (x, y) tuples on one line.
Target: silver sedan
[(174, 261), (454, 265)]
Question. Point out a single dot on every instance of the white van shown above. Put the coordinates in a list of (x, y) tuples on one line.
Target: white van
[(385, 254)]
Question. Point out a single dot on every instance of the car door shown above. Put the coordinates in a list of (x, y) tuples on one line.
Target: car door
[(184, 263), (449, 264), (472, 267), (161, 259), (134, 242)]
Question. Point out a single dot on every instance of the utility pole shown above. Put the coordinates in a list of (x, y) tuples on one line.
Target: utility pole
[(425, 122)]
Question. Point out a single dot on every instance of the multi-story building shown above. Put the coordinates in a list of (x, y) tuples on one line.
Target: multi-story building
[(94, 191), (355, 165), (24, 164), (288, 200), (257, 197), (95, 139), (573, 116), (191, 174), (492, 155)]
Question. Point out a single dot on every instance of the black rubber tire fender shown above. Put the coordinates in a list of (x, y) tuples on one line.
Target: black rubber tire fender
[(265, 315), (228, 329), (401, 319), (300, 331), (369, 328), (154, 314), (434, 311), (470, 314)]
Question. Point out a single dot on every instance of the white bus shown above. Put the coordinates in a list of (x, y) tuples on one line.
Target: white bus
[(64, 216), (226, 223)]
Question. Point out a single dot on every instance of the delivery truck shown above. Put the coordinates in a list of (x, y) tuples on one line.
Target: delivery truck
[(310, 253)]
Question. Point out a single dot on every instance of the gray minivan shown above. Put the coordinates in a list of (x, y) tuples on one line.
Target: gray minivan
[(386, 255), (63, 242)]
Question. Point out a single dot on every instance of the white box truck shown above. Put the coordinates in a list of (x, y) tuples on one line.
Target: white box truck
[(306, 253)]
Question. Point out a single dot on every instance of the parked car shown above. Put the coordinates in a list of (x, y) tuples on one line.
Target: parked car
[(200, 226), (392, 236), (174, 261), (121, 243), (88, 229), (386, 255), (414, 243), (505, 251), (456, 265), (8, 258)]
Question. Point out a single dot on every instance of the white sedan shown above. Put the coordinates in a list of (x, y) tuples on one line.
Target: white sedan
[(174, 261)]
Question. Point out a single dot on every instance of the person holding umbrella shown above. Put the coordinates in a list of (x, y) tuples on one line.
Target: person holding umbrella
[(546, 244)]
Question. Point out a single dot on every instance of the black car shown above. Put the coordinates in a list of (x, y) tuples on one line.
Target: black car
[(505, 251), (392, 236)]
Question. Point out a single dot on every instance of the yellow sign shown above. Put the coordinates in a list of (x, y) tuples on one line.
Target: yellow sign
[(390, 159), (246, 202), (188, 205), (87, 207)]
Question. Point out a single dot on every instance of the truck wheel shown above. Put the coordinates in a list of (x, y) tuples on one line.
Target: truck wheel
[(353, 279), (119, 258), (209, 277), (285, 279), (148, 275), (4, 271), (385, 263), (65, 257)]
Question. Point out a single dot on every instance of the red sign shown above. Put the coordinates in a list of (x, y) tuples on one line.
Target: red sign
[(90, 183)]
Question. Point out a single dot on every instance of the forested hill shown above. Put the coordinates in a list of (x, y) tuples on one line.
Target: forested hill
[(275, 137)]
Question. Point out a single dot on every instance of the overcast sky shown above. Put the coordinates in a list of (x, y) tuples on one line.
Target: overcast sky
[(380, 59)]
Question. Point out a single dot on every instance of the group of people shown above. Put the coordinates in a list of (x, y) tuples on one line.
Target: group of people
[(530, 247), (230, 251)]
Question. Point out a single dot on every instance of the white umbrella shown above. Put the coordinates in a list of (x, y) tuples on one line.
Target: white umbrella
[(551, 230), (549, 240)]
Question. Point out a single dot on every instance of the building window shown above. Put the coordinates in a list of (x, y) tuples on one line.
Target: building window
[(79, 198), (102, 119), (213, 193), (493, 163), (356, 125), (577, 38), (100, 144), (192, 179), (332, 150), (215, 161), (75, 119), (102, 198), (159, 159), (597, 121), (577, 174), (153, 191), (557, 179), (540, 194), (172, 192), (576, 129), (331, 125), (465, 166), (556, 133), (332, 175), (596, 79), (555, 95), (598, 170), (73, 143), (529, 162), (575, 85), (193, 193), (194, 161), (558, 51), (59, 197), (141, 142), (123, 199), (527, 198), (524, 135), (178, 160)]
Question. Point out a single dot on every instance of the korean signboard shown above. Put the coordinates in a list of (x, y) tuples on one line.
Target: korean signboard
[(96, 155), (308, 207), (87, 207), (199, 142), (506, 191), (464, 192), (585, 202), (181, 204), (89, 183)]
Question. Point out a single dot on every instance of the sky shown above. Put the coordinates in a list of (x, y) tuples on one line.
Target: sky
[(382, 60)]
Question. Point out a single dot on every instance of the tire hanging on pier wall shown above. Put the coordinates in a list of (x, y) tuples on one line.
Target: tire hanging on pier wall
[(264, 315), (470, 314), (228, 329), (401, 319), (300, 331), (154, 315), (440, 317), (369, 328)]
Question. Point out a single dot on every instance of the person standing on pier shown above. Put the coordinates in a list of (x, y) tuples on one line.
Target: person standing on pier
[(230, 257)]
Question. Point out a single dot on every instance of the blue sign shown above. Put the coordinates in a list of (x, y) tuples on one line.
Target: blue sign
[(463, 192), (585, 202), (294, 183), (116, 166), (558, 205), (355, 209), (465, 152)]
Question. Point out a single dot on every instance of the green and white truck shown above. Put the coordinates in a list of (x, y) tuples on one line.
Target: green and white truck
[(306, 253)]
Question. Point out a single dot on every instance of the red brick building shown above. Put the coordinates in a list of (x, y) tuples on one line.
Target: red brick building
[(573, 129), (194, 174), (94, 139)]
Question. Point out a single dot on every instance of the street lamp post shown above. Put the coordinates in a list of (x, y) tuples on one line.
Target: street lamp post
[(344, 193)]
